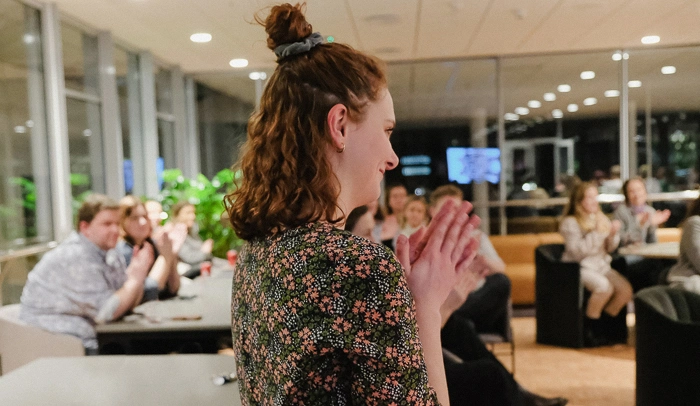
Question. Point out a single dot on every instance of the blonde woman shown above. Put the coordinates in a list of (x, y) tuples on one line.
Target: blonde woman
[(590, 237)]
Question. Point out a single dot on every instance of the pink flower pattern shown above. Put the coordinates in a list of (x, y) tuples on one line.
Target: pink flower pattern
[(322, 317)]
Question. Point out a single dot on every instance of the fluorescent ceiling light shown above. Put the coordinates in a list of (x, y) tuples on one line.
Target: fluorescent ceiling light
[(634, 83), (522, 111), (257, 75), (534, 104), (238, 63), (564, 88), (612, 93), (668, 70), (650, 39), (572, 108), (589, 101), (200, 37), (556, 113), (511, 117), (587, 74), (549, 97)]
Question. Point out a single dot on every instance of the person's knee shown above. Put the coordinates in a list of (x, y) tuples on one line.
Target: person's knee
[(500, 282)]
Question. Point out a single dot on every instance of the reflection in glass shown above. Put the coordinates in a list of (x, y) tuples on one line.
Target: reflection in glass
[(85, 148), (80, 60), (128, 90), (25, 207)]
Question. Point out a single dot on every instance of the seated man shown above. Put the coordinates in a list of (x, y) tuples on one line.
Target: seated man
[(487, 306), (639, 223), (83, 281)]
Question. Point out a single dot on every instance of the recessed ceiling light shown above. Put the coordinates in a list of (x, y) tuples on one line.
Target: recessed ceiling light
[(651, 39), (572, 108), (588, 74), (549, 97), (257, 75), (511, 117), (200, 37), (238, 63), (556, 113), (589, 101), (522, 111), (668, 70), (612, 93), (634, 83), (564, 88), (617, 56), (534, 104)]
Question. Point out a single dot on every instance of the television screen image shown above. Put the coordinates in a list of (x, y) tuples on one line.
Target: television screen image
[(467, 165)]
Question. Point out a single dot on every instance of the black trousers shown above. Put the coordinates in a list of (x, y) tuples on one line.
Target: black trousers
[(487, 307), (480, 379)]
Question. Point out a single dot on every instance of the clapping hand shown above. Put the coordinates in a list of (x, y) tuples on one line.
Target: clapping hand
[(660, 217), (141, 262), (436, 259), (615, 227)]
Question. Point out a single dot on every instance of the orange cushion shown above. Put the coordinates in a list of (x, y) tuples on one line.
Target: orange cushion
[(671, 234), (550, 238), (516, 248), (522, 279)]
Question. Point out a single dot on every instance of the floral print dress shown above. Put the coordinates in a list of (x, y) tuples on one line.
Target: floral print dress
[(323, 317)]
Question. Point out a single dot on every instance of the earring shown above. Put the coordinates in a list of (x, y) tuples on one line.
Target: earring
[(340, 150)]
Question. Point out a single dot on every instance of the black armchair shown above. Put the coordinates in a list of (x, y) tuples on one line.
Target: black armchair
[(668, 342), (560, 302)]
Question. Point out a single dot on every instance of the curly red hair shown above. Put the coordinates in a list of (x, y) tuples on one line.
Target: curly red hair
[(287, 178)]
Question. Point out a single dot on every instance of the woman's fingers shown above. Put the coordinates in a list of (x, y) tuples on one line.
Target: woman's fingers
[(455, 230), (467, 258), (416, 243), (465, 237), (440, 226)]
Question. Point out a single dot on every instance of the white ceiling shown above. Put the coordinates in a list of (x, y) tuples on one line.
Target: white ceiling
[(436, 33)]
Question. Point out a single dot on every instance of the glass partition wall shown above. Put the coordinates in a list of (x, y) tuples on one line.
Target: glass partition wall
[(25, 198)]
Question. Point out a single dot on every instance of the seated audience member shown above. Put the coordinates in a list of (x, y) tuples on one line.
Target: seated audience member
[(396, 196), (474, 374), (589, 238), (686, 272), (136, 231), (487, 305), (414, 216), (638, 220), (84, 281), (155, 214), (638, 226), (360, 222), (194, 251)]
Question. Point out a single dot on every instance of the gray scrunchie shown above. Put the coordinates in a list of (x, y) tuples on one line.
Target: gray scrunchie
[(295, 48)]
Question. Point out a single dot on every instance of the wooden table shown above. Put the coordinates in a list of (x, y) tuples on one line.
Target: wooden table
[(121, 380), (662, 250), (202, 311)]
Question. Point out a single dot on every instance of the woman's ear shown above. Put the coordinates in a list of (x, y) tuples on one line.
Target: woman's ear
[(337, 121)]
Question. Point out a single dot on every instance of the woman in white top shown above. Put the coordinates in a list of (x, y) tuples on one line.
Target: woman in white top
[(590, 237)]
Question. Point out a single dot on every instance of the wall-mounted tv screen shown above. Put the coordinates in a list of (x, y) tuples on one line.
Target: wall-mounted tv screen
[(467, 165)]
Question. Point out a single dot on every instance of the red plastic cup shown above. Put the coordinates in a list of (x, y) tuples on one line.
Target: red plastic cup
[(232, 256), (205, 268)]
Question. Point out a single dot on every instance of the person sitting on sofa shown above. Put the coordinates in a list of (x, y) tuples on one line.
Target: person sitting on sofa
[(84, 281), (638, 226), (589, 238), (686, 272)]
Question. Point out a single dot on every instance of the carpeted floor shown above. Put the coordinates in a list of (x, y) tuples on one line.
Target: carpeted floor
[(596, 376)]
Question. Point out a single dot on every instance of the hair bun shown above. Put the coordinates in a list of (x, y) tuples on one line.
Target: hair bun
[(286, 24)]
